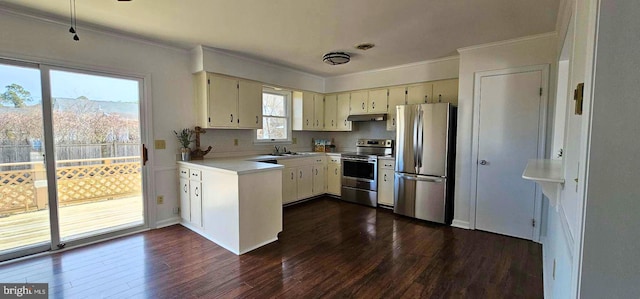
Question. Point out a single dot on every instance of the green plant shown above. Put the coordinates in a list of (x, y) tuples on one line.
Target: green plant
[(184, 137)]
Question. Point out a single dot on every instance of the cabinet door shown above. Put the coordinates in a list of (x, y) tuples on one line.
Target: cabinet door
[(343, 112), (330, 112), (223, 101), (420, 93), (359, 102), (196, 202), (446, 91), (318, 112), (185, 207), (319, 179), (334, 171), (385, 187), (307, 111), (397, 96), (377, 101), (289, 179), (305, 182), (249, 104)]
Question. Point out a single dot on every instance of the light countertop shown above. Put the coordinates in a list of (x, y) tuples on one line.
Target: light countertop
[(544, 171)]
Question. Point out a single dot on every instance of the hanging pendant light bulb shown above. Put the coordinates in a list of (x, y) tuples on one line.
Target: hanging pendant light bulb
[(74, 21)]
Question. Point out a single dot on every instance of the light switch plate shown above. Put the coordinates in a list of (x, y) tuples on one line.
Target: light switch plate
[(160, 144)]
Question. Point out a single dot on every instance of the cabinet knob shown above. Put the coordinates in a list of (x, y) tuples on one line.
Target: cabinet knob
[(385, 177), (307, 122), (256, 119), (332, 122), (393, 121), (345, 122), (231, 117), (439, 98), (185, 188), (300, 173), (292, 176), (426, 99), (363, 106), (336, 170), (196, 192)]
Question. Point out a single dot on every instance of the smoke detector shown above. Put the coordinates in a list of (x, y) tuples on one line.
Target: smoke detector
[(335, 58), (364, 46)]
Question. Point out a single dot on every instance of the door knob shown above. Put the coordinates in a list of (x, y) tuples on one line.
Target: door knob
[(483, 162)]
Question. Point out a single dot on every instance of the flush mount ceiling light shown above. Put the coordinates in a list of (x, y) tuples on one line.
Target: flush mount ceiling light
[(335, 58), (364, 46)]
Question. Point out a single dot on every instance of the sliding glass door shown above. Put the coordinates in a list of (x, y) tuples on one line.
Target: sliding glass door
[(24, 204), (71, 168)]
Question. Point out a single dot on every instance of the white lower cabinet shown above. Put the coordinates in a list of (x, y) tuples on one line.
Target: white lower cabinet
[(303, 178), (386, 182), (334, 174), (191, 195), (289, 185), (319, 175), (305, 182)]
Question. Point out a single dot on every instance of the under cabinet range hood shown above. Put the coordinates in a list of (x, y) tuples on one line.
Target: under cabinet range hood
[(367, 117)]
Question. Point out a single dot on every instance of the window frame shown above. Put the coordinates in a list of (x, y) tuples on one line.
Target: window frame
[(287, 94)]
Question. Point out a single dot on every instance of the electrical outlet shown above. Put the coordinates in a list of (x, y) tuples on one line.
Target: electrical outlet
[(160, 199), (160, 144), (176, 210), (294, 140), (235, 141)]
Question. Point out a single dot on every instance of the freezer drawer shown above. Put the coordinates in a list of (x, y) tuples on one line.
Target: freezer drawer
[(422, 197)]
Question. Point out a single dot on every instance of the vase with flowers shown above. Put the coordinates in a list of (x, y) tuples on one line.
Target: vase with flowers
[(185, 138)]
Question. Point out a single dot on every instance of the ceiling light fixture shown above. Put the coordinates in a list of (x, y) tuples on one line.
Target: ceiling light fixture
[(335, 58), (364, 46), (74, 25)]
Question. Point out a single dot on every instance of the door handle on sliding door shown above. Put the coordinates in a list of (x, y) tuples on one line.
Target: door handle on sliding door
[(145, 155)]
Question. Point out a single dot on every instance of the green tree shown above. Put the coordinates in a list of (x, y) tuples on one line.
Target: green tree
[(16, 95)]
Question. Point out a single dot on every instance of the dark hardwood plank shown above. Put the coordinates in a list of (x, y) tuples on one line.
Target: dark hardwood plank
[(328, 248)]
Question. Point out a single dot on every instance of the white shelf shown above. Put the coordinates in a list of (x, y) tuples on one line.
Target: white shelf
[(548, 174)]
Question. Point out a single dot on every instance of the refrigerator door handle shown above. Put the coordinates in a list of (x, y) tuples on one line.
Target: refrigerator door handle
[(420, 137), (416, 123), (413, 177)]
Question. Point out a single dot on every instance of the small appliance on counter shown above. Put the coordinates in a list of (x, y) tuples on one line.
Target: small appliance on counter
[(360, 171), (426, 136)]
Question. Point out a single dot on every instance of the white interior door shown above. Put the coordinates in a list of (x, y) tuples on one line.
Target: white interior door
[(509, 130)]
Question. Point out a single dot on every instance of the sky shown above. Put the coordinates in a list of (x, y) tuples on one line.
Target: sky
[(70, 85)]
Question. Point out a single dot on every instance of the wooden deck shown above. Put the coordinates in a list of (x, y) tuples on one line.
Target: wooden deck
[(33, 227)]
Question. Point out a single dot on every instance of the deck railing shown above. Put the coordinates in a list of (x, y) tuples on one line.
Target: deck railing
[(78, 181)]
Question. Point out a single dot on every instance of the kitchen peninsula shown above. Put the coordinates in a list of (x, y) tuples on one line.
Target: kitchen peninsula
[(233, 202)]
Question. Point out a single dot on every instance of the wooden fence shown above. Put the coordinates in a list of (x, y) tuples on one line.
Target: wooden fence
[(78, 181)]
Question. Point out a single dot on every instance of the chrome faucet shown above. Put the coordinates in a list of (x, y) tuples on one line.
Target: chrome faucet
[(276, 149)]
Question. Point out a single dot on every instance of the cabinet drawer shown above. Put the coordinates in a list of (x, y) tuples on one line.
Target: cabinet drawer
[(319, 160), (195, 174), (333, 159), (184, 172), (387, 164)]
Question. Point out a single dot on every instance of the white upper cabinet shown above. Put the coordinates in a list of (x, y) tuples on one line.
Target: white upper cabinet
[(308, 117), (222, 102), (359, 102), (249, 104), (446, 91), (227, 102), (318, 112), (377, 102), (343, 112), (397, 96), (330, 112), (420, 93)]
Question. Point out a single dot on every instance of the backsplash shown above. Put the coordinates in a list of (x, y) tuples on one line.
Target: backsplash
[(223, 140)]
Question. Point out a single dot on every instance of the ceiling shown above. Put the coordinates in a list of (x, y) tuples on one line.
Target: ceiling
[(296, 33)]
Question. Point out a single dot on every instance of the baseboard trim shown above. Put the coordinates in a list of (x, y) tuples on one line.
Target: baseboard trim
[(460, 224), (167, 222)]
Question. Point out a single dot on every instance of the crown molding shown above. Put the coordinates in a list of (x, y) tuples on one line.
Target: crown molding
[(509, 41), (396, 67)]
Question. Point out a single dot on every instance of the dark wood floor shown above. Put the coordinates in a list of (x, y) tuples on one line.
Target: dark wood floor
[(328, 249)]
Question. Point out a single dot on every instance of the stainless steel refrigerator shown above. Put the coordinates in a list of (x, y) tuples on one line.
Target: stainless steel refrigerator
[(425, 157)]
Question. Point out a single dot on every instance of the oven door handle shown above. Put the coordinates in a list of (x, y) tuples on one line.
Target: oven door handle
[(359, 160)]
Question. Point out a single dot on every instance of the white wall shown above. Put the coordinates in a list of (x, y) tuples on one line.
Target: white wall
[(170, 84), (216, 61), (610, 263), (526, 51), (440, 69)]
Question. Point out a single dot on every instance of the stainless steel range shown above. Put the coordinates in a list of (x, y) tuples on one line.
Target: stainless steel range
[(360, 171)]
